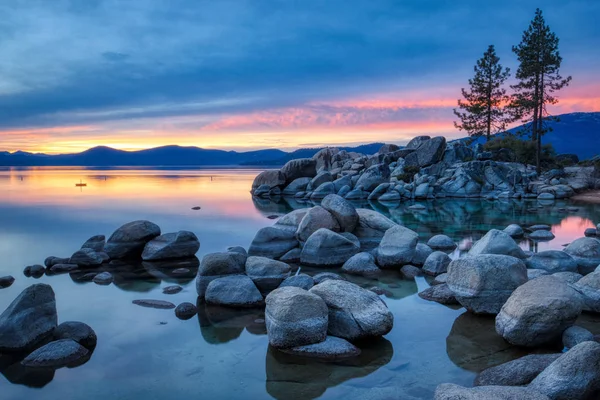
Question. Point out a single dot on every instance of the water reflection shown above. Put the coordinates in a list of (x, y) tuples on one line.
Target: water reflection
[(290, 377), (221, 324)]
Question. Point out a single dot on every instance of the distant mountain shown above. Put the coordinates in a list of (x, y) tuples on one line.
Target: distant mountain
[(102, 156), (575, 133)]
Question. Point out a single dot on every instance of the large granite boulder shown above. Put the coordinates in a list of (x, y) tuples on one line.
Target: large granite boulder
[(371, 227), (321, 178), (552, 261), (362, 264), (129, 240), (29, 319), (422, 251), (497, 242), (299, 168), (273, 242), (302, 281), (440, 294), (428, 153), (315, 219), (354, 312), (519, 372), (373, 177), (574, 375), (514, 231), (180, 244), (266, 274), (589, 289), (397, 247), (86, 257), (436, 263), (417, 141), (325, 248), (218, 265), (344, 213), (271, 178), (295, 186), (95, 243), (295, 317), (538, 312), (61, 353), (482, 284), (586, 251), (450, 391), (291, 220), (237, 291), (574, 335)]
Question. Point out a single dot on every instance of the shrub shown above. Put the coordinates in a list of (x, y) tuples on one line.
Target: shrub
[(524, 150)]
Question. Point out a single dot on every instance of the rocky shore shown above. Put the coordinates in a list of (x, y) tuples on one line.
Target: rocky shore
[(426, 168)]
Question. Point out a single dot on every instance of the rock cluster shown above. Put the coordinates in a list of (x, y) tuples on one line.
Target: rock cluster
[(30, 326)]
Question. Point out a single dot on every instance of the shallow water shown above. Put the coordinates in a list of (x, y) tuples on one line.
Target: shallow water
[(222, 354)]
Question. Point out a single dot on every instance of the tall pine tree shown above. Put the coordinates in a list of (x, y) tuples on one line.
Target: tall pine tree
[(539, 78), (482, 111)]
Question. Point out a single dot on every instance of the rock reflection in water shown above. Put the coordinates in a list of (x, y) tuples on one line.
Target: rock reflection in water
[(298, 378), (222, 324), (474, 345)]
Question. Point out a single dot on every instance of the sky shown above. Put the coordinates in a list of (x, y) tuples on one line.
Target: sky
[(250, 74)]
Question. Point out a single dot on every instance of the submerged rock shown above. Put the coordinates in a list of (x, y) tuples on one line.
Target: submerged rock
[(295, 317), (173, 289), (29, 319), (450, 391), (526, 320), (180, 244), (354, 312), (331, 349), (129, 240), (519, 372), (160, 304), (103, 278), (60, 353)]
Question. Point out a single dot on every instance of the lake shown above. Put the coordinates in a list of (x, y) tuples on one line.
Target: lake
[(224, 354)]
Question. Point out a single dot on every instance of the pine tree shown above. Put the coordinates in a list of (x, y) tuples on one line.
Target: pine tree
[(483, 107), (539, 78)]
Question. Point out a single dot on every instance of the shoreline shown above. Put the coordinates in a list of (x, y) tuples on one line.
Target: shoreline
[(591, 196)]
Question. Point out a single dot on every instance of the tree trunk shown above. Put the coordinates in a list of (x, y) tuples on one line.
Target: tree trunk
[(540, 127)]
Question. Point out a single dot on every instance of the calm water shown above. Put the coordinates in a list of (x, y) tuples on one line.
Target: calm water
[(149, 354)]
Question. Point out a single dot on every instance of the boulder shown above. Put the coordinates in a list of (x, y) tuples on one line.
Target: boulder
[(450, 391), (103, 278), (295, 317), (291, 221), (442, 278), (236, 291), (526, 319), (552, 261), (569, 277), (86, 257), (590, 232), (441, 242), (440, 294), (514, 231), (371, 227), (361, 264), (589, 289), (373, 177), (299, 168), (185, 311), (273, 242), (417, 141), (574, 375), (35, 271), (586, 252), (331, 349), (180, 244), (271, 178), (301, 281), (397, 247), (354, 312), (436, 264), (483, 284), (497, 242), (292, 256), (574, 335), (51, 261), (61, 353), (315, 219), (129, 240), (78, 332), (519, 372), (422, 251), (323, 276), (541, 235), (95, 243), (326, 248), (536, 273), (321, 178), (29, 319), (262, 191), (297, 185), (409, 272), (344, 213), (266, 274), (218, 265), (428, 153)]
